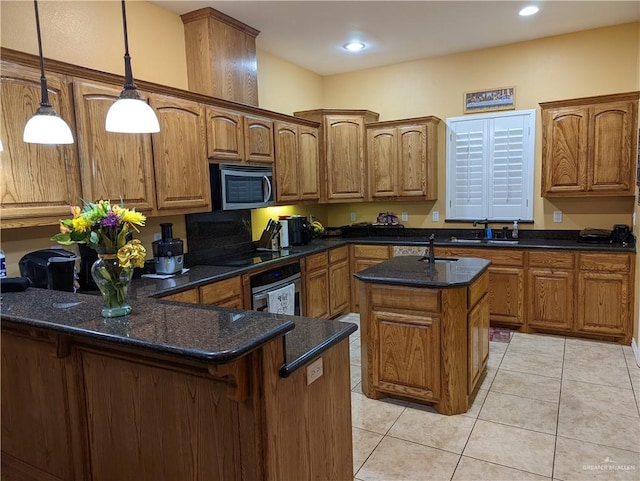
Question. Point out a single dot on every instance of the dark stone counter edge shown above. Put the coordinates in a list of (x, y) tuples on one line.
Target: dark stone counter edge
[(415, 282), (218, 357), (290, 367)]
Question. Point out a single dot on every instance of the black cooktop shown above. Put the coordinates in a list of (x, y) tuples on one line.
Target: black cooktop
[(248, 258)]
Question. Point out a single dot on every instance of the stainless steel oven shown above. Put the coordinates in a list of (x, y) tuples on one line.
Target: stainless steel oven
[(268, 281)]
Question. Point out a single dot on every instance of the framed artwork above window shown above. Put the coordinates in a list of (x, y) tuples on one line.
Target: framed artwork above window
[(490, 100)]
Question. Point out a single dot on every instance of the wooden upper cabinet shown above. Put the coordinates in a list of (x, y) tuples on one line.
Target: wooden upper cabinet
[(37, 182), (258, 139), (237, 137), (180, 156), (296, 163), (113, 165), (589, 146), (402, 158), (342, 162), (225, 138)]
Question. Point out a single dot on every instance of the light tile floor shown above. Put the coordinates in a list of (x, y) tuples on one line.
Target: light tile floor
[(550, 408)]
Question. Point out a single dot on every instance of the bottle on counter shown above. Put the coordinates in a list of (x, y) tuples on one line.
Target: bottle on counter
[(514, 234), (3, 264)]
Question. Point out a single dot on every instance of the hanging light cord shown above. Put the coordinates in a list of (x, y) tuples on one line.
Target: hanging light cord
[(43, 80), (128, 74)]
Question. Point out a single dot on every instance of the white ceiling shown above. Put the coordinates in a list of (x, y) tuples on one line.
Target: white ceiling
[(311, 33)]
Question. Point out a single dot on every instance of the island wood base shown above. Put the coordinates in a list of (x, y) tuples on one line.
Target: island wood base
[(78, 410), (429, 345)]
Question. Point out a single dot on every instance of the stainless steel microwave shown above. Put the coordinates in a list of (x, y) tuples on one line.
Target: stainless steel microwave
[(240, 186)]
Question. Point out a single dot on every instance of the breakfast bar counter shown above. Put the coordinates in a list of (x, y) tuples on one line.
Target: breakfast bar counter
[(171, 391)]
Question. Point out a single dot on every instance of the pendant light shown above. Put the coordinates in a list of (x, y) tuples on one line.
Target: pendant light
[(130, 113), (45, 127)]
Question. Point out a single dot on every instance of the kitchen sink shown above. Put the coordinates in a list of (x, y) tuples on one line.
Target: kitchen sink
[(467, 241), (439, 259), (502, 241), (485, 241)]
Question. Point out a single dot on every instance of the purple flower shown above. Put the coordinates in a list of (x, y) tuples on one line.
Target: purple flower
[(110, 221)]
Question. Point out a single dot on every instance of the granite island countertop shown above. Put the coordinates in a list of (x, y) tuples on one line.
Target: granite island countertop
[(199, 332), (416, 271)]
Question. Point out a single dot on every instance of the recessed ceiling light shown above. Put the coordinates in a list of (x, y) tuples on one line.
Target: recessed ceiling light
[(530, 10), (354, 46)]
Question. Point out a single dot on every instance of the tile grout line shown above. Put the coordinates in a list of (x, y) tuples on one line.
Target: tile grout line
[(555, 440)]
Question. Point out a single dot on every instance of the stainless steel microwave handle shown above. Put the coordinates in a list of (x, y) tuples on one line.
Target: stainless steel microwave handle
[(267, 182)]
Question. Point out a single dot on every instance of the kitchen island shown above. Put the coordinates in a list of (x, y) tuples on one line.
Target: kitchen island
[(425, 330), (171, 391)]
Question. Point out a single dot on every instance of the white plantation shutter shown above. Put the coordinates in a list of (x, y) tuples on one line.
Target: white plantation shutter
[(490, 166)]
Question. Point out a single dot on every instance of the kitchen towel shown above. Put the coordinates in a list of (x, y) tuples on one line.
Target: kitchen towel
[(282, 301)]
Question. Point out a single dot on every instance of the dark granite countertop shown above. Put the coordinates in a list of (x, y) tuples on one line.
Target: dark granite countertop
[(415, 271), (198, 332)]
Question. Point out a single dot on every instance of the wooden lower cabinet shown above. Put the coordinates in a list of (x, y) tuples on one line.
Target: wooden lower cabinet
[(339, 279), (363, 256), (425, 344), (225, 293), (79, 410), (316, 285), (604, 296), (191, 296), (551, 290)]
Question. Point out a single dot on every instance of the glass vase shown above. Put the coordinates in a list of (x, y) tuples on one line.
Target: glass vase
[(113, 282)]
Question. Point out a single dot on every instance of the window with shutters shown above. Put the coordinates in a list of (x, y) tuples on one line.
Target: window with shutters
[(490, 166)]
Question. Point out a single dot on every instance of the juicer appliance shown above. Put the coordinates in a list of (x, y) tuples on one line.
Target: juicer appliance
[(168, 252)]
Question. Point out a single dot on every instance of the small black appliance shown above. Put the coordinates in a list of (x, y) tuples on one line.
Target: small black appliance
[(50, 269), (621, 234), (299, 230)]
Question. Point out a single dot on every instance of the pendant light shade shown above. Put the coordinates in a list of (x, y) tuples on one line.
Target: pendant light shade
[(130, 114), (45, 127)]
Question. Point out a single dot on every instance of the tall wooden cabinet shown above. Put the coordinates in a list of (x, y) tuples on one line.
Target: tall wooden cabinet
[(589, 146), (37, 182), (402, 159), (342, 152), (180, 156), (113, 166), (297, 165)]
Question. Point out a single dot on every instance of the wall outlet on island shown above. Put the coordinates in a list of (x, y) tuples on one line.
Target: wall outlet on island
[(405, 216), (353, 217), (314, 370), (435, 216)]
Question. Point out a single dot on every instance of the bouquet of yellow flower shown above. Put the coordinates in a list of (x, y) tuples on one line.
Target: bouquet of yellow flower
[(105, 227)]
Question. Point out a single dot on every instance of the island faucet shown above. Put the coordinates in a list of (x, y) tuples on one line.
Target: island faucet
[(432, 254)]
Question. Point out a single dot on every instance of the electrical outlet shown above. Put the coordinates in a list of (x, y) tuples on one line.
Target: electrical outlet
[(405, 216), (557, 216), (435, 216), (314, 370), (353, 217), (157, 236)]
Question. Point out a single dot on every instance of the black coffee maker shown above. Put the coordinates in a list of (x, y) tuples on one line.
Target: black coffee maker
[(87, 257), (50, 269)]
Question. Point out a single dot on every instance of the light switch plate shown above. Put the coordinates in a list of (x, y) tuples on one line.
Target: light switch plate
[(405, 216), (435, 216), (353, 217), (314, 370), (557, 216)]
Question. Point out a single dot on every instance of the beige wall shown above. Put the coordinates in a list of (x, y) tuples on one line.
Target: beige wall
[(593, 62)]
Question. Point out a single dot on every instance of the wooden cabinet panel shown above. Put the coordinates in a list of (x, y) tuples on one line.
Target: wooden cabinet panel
[(286, 168), (317, 261), (296, 163), (339, 287), (382, 157), (316, 293), (589, 145), (258, 139), (603, 303), (225, 139), (478, 341), (371, 251), (412, 156), (364, 256), (37, 182), (225, 293), (552, 259), (180, 156), (191, 296), (551, 294), (614, 138), (309, 163), (114, 166), (345, 169), (506, 294), (407, 356)]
